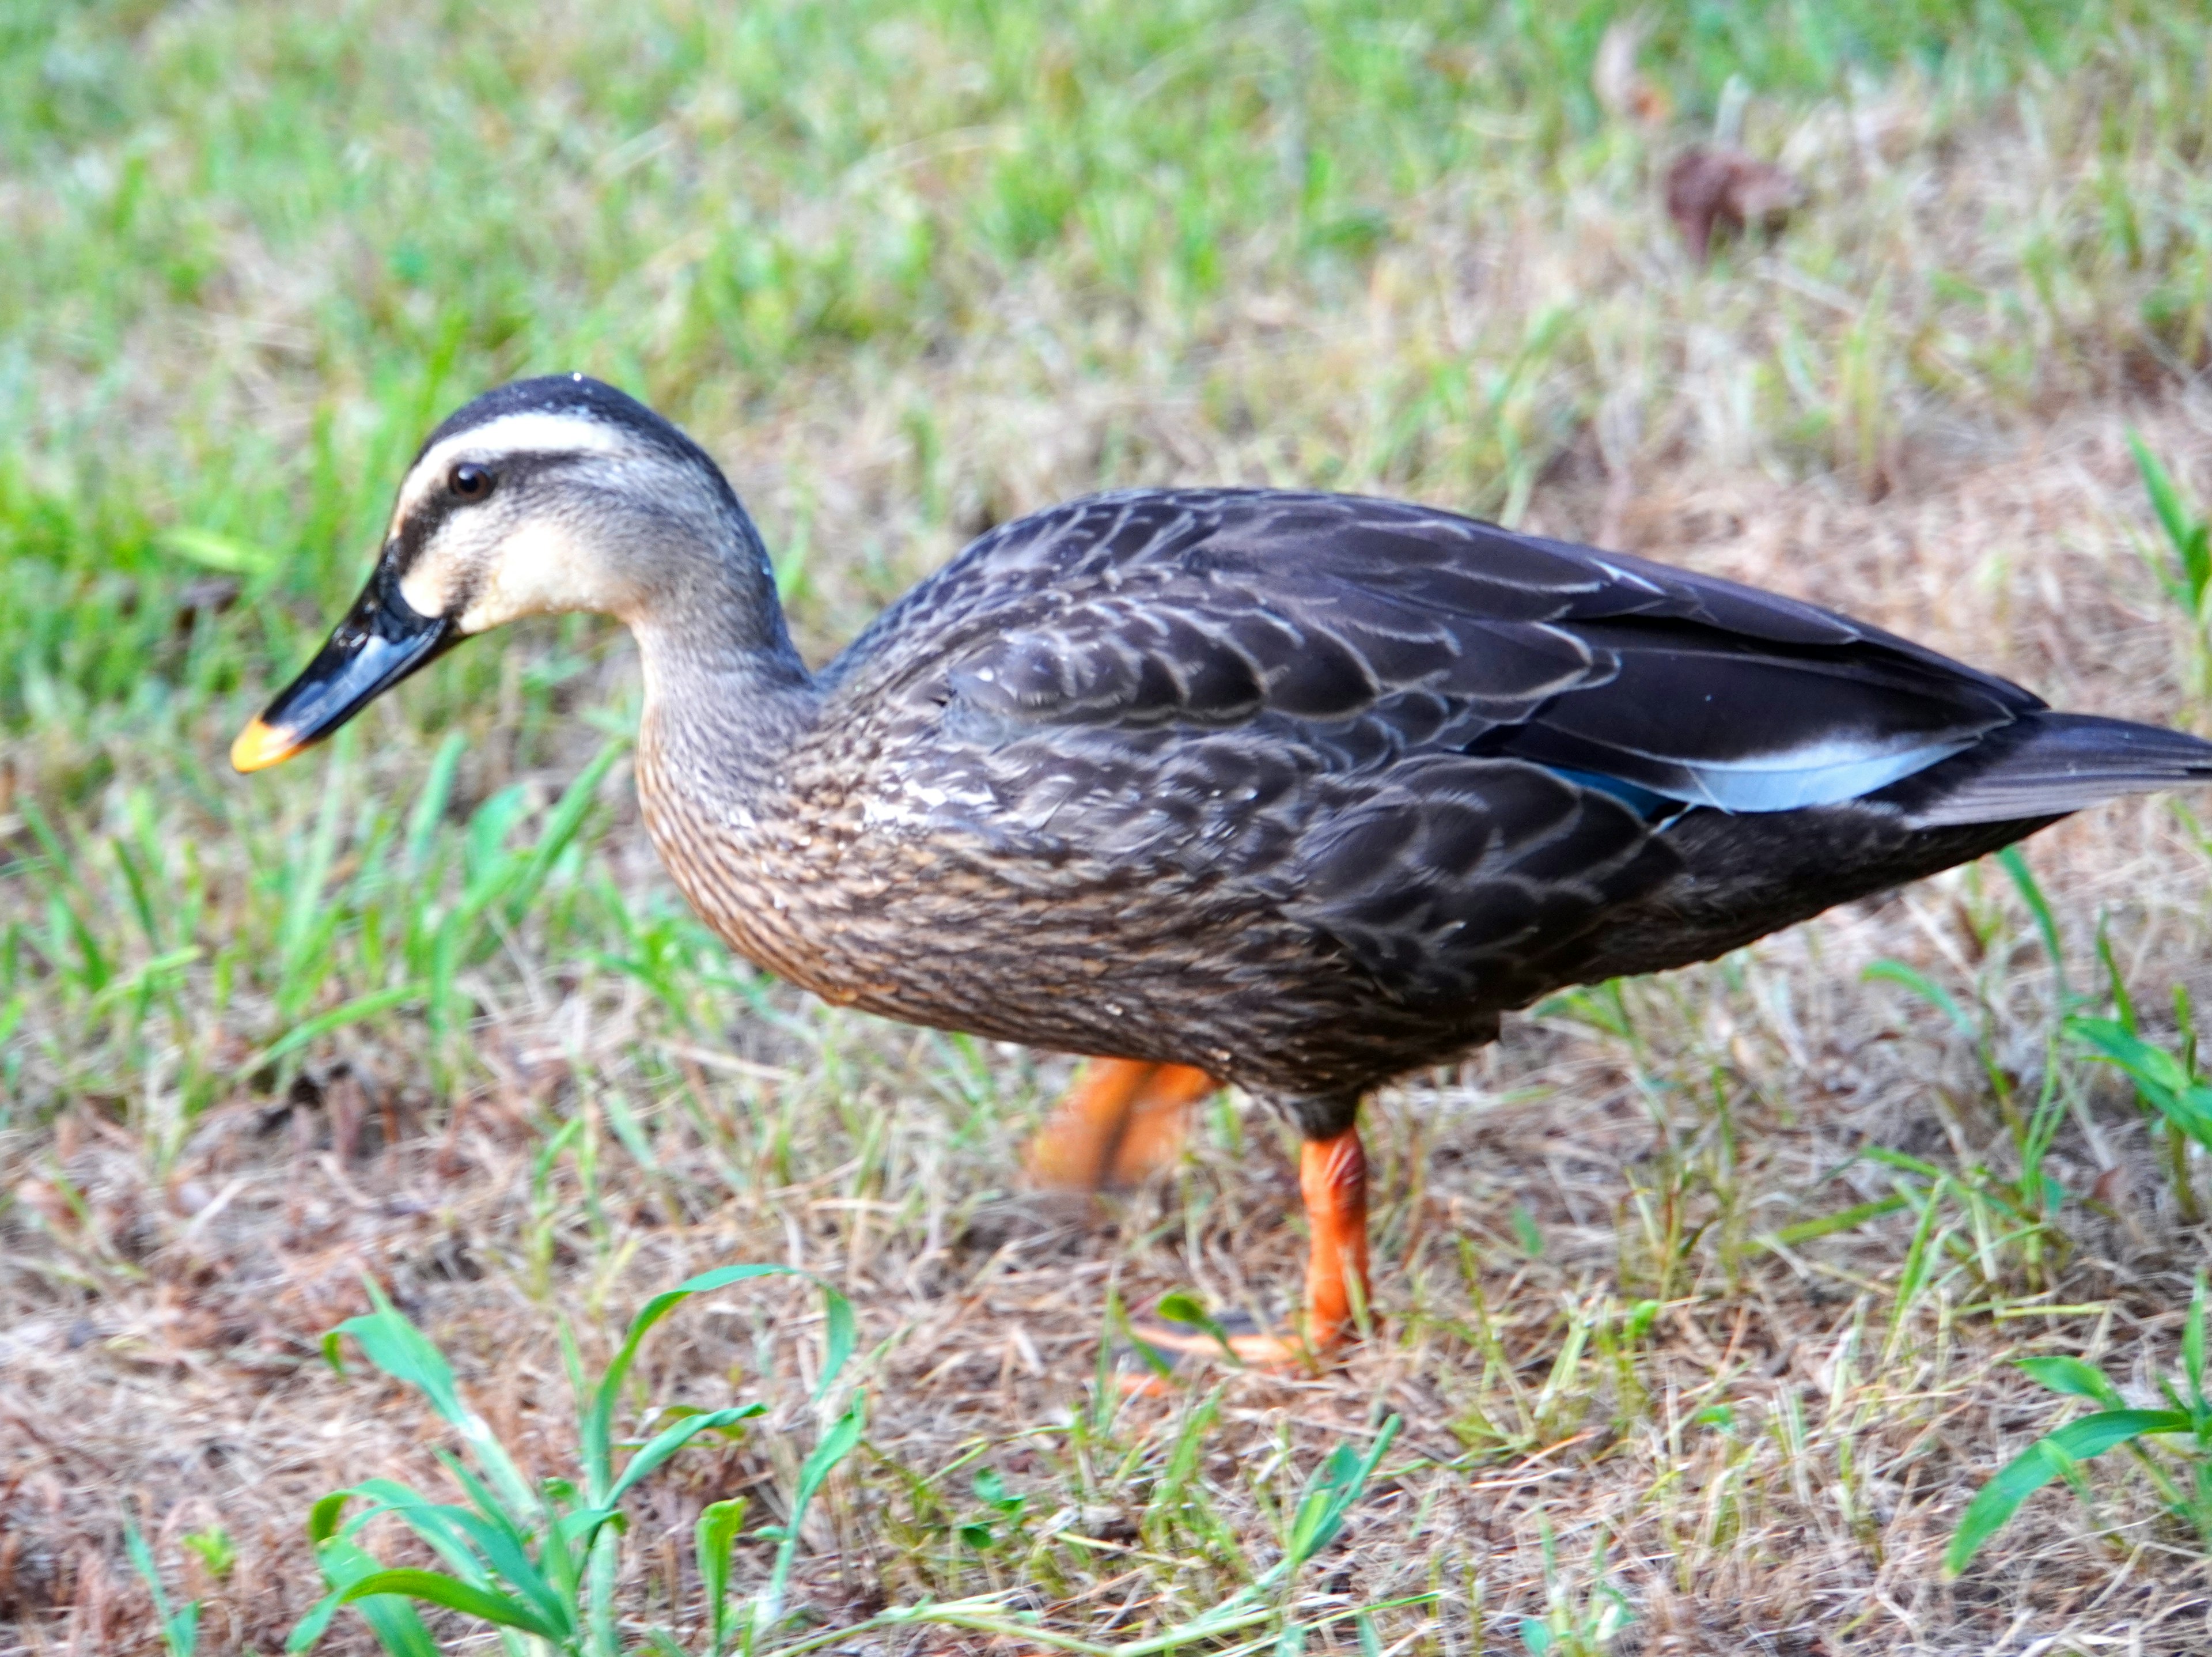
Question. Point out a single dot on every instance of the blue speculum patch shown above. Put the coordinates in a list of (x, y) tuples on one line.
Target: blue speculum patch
[(1756, 788), (1646, 803)]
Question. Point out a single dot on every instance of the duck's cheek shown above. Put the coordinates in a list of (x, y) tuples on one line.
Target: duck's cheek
[(427, 588), (541, 568)]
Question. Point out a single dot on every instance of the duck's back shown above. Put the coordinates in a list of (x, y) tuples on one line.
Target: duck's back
[(1340, 778)]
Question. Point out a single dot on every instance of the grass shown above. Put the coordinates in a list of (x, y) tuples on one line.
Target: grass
[(2061, 1452), (539, 1566), (540, 1562), (1705, 1300)]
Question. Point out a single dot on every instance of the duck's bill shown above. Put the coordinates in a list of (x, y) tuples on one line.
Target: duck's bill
[(380, 642)]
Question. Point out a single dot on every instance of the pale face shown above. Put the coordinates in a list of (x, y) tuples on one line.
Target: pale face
[(543, 496), (512, 518)]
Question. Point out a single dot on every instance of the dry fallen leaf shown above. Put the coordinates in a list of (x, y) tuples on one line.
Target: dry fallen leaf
[(1724, 190)]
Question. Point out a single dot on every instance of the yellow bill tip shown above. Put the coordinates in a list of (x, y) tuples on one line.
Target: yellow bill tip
[(260, 746)]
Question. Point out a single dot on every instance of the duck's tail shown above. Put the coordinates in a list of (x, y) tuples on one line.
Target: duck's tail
[(2045, 764)]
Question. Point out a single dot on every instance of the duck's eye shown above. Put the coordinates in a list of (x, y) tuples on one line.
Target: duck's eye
[(469, 482)]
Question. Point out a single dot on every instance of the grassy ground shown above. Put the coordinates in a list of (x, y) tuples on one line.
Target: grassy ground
[(908, 269)]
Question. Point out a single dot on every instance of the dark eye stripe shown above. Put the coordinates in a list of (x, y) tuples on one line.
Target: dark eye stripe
[(416, 529)]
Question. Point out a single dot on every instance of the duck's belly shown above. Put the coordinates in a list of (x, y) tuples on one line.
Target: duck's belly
[(1069, 952)]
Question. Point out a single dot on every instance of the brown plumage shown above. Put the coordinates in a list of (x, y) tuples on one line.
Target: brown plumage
[(1301, 791)]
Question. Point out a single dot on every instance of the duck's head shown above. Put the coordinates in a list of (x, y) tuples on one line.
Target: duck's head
[(543, 496)]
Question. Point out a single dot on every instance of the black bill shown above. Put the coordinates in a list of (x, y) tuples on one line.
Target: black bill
[(379, 642)]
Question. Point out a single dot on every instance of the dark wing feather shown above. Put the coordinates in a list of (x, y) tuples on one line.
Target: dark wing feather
[(1207, 606), (1428, 736)]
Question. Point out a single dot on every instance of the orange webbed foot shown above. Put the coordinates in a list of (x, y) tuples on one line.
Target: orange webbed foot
[(1333, 1179), (1239, 1342)]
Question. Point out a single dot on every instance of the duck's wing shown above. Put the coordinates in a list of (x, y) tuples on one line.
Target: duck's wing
[(1434, 738), (1209, 608)]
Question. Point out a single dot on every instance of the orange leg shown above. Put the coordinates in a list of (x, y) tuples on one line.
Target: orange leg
[(1122, 1121), (1333, 1178), (1159, 1117)]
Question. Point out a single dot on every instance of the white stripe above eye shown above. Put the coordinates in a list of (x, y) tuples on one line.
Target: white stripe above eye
[(531, 431)]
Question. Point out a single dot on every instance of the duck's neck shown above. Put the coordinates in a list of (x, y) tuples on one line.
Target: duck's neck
[(726, 692)]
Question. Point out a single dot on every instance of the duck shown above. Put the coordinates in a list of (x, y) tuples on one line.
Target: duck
[(1293, 791)]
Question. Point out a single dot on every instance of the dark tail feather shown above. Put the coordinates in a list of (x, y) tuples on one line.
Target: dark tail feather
[(2046, 764)]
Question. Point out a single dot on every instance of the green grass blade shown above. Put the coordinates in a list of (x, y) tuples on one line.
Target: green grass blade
[(1329, 1495), (179, 1630), (402, 1351), (504, 1552), (2117, 1043), (1912, 978), (1846, 1220), (142, 1557), (580, 1526), (1904, 1163), (308, 1632), (1186, 1456), (2116, 981), (598, 1424), (719, 1522), (430, 804), (434, 1522), (323, 1518), (836, 1444), (477, 1491), (562, 827), (58, 861), (142, 903), (666, 1442), (439, 1589), (2182, 533), (437, 1523), (1370, 1643), (398, 1628), (2074, 1377), (212, 550), (2192, 1346), (394, 1345), (1995, 1502), (302, 924), (2160, 1079), (2014, 863), (353, 1012), (1181, 1308), (491, 866), (1914, 1270), (1343, 1477)]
